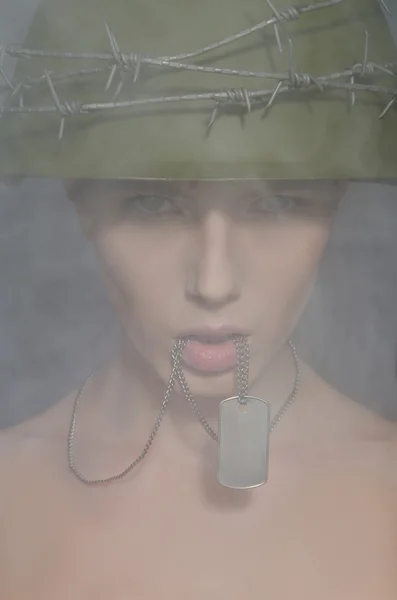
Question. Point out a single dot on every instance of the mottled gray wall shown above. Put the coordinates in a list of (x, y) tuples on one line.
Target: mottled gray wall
[(56, 324)]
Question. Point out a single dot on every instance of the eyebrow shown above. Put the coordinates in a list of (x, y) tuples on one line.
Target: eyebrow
[(159, 185), (179, 188)]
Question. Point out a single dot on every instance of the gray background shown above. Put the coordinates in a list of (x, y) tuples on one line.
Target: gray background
[(56, 324)]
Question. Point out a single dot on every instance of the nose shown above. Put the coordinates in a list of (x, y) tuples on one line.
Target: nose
[(213, 278)]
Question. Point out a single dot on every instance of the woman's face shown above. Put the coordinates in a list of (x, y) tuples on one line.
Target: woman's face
[(181, 256)]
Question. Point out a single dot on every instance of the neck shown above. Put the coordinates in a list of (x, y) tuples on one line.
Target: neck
[(126, 396)]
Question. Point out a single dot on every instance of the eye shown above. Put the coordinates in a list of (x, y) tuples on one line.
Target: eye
[(274, 204), (148, 205)]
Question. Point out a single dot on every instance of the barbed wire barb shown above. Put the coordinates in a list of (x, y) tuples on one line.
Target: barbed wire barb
[(238, 97), (19, 90), (386, 8), (364, 66), (116, 54), (388, 107), (365, 61), (276, 24), (3, 50), (67, 109), (270, 103), (138, 64), (352, 93), (124, 62), (213, 117), (57, 103), (291, 13), (291, 62)]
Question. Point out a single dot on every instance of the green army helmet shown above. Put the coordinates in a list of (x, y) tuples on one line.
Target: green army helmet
[(224, 89)]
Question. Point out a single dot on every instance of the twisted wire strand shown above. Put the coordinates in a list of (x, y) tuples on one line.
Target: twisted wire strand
[(241, 97)]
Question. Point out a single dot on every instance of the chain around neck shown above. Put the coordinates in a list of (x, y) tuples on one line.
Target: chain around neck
[(242, 348)]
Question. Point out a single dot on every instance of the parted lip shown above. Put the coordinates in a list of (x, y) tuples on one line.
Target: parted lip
[(215, 333)]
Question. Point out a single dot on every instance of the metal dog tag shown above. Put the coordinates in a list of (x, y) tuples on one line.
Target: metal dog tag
[(243, 442)]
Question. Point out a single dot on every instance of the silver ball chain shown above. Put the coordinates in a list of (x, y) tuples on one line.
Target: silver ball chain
[(243, 355)]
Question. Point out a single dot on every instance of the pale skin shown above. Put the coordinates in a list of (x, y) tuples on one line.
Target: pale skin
[(324, 526)]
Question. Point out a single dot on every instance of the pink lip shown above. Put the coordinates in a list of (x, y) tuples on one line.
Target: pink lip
[(207, 357)]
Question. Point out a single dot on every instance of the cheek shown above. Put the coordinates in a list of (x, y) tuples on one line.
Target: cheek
[(287, 265), (301, 249), (135, 271)]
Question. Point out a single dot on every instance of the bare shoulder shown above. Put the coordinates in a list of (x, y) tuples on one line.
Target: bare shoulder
[(9, 451), (371, 438), (31, 463), (31, 455), (20, 445), (50, 424)]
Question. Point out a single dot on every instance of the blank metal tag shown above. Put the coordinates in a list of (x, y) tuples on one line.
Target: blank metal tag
[(243, 442)]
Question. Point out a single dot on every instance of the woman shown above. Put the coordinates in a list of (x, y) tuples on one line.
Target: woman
[(209, 246)]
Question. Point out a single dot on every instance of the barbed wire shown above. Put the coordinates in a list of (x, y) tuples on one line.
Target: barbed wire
[(126, 63)]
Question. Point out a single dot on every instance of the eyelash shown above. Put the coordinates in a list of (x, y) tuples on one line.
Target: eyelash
[(288, 205), (132, 205)]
